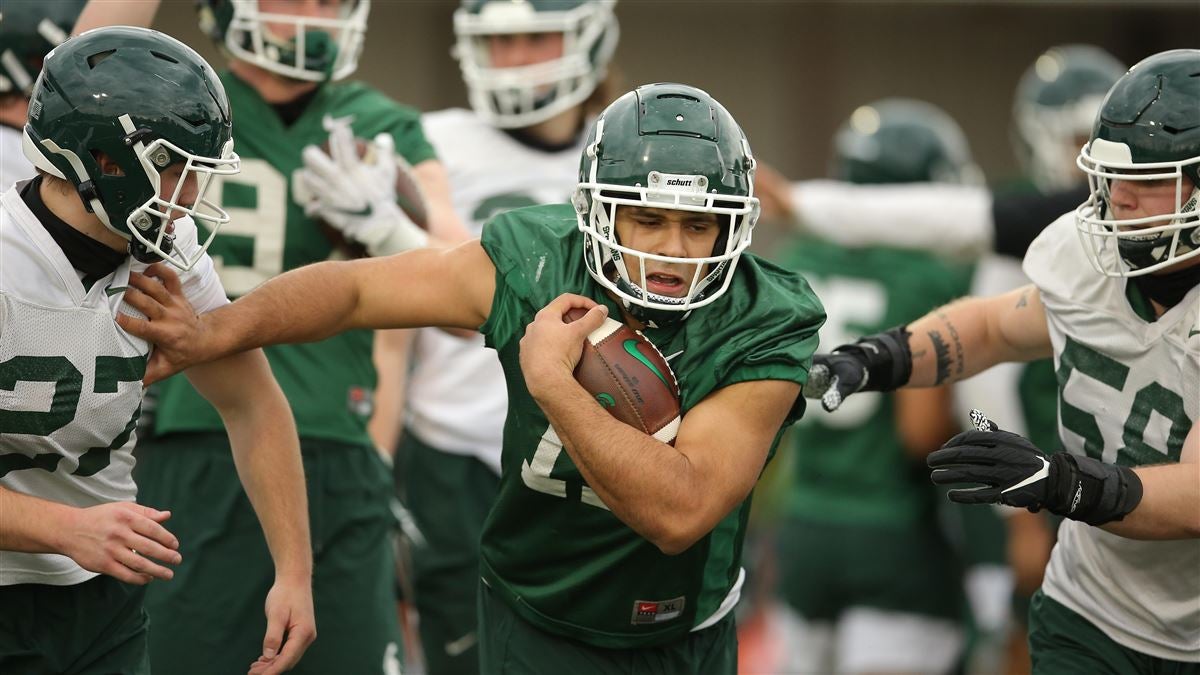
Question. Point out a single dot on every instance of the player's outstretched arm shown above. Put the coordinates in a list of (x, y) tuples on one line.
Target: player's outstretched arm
[(672, 496), (266, 452), (121, 539), (428, 287), (949, 344)]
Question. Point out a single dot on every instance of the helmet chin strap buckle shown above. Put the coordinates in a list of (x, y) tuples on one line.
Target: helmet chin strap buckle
[(87, 193)]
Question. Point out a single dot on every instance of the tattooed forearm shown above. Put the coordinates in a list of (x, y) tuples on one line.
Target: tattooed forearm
[(959, 358), (942, 353)]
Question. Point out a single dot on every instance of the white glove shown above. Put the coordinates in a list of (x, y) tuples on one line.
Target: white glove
[(357, 195)]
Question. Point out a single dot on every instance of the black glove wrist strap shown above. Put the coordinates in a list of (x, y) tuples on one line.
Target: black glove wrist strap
[(1092, 491), (888, 358)]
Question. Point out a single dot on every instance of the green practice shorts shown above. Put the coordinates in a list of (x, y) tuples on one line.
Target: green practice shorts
[(827, 568), (1061, 642), (210, 619), (449, 496), (509, 645), (96, 627)]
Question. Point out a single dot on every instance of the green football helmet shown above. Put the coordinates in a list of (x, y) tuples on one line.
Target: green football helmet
[(321, 49), (1056, 103), (899, 140), (522, 96), (1148, 129), (28, 31), (147, 102), (665, 146)]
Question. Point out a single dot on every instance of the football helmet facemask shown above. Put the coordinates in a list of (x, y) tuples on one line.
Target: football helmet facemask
[(522, 96), (147, 102), (667, 146), (1148, 129), (1056, 103), (322, 48), (898, 140)]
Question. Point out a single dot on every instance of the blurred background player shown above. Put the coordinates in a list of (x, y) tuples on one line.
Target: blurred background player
[(127, 129), (28, 31), (862, 558), (284, 56), (536, 75)]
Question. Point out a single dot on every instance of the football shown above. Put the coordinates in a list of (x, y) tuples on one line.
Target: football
[(408, 195), (628, 376)]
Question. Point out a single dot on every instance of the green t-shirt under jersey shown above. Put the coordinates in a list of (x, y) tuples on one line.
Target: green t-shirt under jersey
[(850, 465), (550, 548), (329, 384)]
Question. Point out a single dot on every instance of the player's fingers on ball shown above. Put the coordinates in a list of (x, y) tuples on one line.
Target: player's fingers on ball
[(385, 145), (319, 163)]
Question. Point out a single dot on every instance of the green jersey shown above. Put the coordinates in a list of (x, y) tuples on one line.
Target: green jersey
[(551, 548), (851, 466), (329, 384)]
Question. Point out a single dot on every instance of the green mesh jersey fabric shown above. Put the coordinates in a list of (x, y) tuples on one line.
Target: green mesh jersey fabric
[(329, 384), (850, 466), (563, 561)]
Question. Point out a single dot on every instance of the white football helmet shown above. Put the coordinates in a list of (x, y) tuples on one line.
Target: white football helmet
[(516, 97), (321, 49)]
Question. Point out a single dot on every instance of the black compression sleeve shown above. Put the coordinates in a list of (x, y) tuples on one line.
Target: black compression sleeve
[(1018, 218)]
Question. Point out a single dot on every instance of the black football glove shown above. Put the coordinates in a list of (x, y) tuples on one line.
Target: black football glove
[(880, 362), (1015, 472)]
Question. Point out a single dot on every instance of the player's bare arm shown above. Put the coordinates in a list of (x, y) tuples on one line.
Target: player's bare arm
[(266, 453), (99, 13), (121, 539), (444, 226), (671, 495), (428, 287), (971, 335)]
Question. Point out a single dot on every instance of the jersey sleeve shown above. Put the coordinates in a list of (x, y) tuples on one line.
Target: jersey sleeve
[(537, 254), (778, 336), (949, 220), (200, 284)]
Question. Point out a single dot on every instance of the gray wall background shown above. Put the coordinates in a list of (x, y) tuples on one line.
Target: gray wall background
[(791, 71)]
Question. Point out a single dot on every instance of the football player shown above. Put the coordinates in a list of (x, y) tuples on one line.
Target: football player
[(605, 549), (535, 72), (861, 559), (1114, 299), (284, 56), (127, 129), (28, 31)]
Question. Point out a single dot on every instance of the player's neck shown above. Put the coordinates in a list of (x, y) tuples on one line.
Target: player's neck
[(14, 110), (273, 88), (561, 130), (66, 205)]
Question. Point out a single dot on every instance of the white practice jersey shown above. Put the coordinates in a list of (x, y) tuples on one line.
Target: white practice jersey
[(456, 399), (1129, 394), (70, 378), (13, 165)]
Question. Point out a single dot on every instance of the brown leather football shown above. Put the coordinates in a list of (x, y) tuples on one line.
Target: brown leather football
[(627, 375), (408, 195)]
